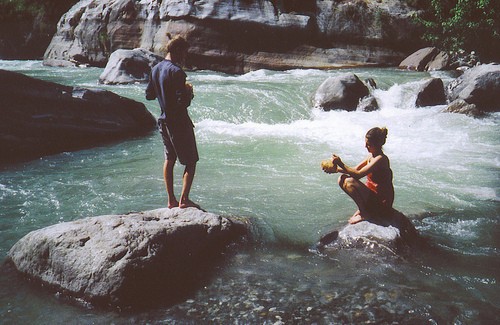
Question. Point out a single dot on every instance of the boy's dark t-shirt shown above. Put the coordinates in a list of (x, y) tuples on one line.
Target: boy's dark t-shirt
[(167, 84)]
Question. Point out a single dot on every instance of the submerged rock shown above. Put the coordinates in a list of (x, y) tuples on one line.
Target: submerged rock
[(127, 259), (40, 118)]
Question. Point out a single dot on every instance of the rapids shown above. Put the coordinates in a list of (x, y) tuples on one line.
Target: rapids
[(261, 144)]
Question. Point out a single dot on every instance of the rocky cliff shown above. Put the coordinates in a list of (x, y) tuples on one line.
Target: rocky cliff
[(241, 35)]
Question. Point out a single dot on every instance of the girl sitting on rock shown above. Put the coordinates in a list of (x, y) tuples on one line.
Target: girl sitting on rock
[(374, 199)]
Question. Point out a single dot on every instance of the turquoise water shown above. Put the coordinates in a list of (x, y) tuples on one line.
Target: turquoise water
[(261, 143)]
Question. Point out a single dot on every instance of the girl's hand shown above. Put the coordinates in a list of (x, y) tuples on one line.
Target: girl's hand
[(337, 161)]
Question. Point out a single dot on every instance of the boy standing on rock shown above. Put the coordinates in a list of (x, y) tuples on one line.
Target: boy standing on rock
[(168, 84)]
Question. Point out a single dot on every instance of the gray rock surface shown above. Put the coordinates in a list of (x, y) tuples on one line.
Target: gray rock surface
[(129, 66), (126, 259), (239, 36), (426, 59), (40, 118), (460, 106), (340, 92), (479, 86), (382, 236)]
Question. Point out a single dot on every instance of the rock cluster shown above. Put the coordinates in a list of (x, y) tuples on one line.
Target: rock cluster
[(127, 259), (42, 118), (475, 92)]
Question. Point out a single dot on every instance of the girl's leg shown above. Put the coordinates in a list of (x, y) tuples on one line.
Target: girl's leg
[(359, 193)]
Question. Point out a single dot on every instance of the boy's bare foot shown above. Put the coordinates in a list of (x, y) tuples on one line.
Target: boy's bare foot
[(173, 204), (355, 219), (189, 204)]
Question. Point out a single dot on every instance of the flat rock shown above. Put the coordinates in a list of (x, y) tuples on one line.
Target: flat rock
[(126, 259)]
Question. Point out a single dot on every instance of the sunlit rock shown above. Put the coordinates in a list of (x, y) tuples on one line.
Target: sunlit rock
[(480, 86), (129, 259), (462, 107), (340, 92), (426, 59), (238, 36), (129, 66), (387, 235)]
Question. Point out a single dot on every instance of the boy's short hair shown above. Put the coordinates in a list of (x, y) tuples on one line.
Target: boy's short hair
[(177, 45)]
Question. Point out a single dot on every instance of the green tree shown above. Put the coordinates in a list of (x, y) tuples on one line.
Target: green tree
[(469, 25)]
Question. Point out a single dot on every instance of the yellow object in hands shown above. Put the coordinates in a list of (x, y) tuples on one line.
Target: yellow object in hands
[(328, 166)]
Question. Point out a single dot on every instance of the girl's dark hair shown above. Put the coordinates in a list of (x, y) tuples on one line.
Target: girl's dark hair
[(376, 136)]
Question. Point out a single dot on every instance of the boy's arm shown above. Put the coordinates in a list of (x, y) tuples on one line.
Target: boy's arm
[(150, 89)]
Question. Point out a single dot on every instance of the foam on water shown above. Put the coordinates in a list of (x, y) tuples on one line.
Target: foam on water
[(261, 143)]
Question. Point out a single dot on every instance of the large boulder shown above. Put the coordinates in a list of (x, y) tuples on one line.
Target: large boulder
[(227, 36), (129, 66), (41, 118), (431, 93), (129, 259), (340, 92), (479, 86), (426, 59)]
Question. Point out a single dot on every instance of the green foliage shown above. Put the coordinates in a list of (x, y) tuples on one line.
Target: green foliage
[(10, 9), (29, 9), (469, 25)]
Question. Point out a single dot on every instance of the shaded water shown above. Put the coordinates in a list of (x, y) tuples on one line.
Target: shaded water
[(260, 144)]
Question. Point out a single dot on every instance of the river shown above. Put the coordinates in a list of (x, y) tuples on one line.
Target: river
[(261, 143)]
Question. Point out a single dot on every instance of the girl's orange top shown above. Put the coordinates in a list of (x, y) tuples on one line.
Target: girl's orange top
[(380, 182)]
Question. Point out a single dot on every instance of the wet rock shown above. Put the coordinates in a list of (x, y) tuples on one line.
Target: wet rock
[(127, 259), (480, 86), (368, 104), (340, 92), (382, 236), (431, 93), (40, 118), (129, 66)]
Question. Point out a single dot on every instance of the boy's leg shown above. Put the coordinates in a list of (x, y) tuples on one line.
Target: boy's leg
[(187, 182), (168, 175)]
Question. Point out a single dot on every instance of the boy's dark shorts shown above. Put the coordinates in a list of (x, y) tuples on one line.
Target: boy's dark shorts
[(179, 142)]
